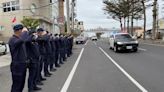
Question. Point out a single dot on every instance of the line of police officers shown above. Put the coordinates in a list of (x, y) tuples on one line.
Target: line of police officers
[(36, 52)]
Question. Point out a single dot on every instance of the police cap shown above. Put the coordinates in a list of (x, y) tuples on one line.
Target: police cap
[(40, 30), (18, 27)]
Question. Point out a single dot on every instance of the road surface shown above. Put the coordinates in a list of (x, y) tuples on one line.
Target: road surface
[(95, 68)]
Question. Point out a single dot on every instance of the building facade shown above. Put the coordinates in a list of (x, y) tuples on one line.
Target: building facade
[(13, 11)]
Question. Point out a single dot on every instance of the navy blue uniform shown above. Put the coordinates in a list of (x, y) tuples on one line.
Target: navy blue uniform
[(33, 55), (61, 50), (71, 44), (69, 47), (18, 65), (57, 45), (47, 59), (53, 49), (41, 44)]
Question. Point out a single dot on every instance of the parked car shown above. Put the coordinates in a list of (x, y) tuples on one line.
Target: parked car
[(123, 41), (80, 40), (3, 48), (94, 38)]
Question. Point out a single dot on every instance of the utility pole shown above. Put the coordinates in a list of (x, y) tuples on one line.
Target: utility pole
[(154, 19), (72, 17), (68, 17)]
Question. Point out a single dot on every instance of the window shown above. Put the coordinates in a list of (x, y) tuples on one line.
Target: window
[(11, 6)]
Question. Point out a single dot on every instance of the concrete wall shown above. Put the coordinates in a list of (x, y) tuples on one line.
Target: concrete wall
[(44, 14)]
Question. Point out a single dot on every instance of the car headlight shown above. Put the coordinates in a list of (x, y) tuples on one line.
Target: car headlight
[(120, 43)]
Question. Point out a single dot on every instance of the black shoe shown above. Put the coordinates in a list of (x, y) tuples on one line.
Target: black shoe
[(61, 63), (58, 66), (43, 79), (39, 83), (37, 88), (47, 75), (53, 70), (30, 90)]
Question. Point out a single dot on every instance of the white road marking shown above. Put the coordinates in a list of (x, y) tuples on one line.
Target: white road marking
[(142, 49), (86, 42), (153, 44), (124, 72), (69, 79)]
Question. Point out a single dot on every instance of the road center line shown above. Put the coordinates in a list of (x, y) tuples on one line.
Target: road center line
[(69, 79), (124, 72), (142, 49)]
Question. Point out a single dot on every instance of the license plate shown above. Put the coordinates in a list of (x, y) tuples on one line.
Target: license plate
[(128, 47)]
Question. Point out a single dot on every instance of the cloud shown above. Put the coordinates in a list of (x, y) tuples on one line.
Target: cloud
[(91, 12)]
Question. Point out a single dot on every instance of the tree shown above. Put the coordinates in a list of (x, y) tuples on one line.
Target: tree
[(123, 9), (113, 9), (30, 23), (144, 12)]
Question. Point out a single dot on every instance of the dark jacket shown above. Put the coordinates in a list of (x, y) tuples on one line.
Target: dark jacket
[(18, 48)]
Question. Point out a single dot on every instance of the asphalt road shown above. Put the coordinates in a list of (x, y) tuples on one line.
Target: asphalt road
[(95, 68)]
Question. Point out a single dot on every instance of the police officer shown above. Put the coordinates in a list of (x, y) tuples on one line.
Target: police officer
[(19, 56), (41, 44), (57, 45), (69, 46), (33, 54), (61, 49), (65, 48), (71, 43), (53, 54), (47, 56)]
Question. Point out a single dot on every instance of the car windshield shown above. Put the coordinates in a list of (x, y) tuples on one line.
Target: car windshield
[(123, 36)]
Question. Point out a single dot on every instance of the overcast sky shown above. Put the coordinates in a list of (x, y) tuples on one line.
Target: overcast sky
[(91, 12)]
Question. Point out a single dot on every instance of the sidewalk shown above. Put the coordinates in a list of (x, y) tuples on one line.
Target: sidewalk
[(153, 42), (53, 83), (5, 60)]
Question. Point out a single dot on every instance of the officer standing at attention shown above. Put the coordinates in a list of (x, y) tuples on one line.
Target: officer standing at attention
[(61, 49), (57, 45), (33, 54), (71, 42), (41, 44), (47, 59), (53, 49), (19, 58)]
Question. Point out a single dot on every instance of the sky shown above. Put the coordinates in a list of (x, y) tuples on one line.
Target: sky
[(92, 14)]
